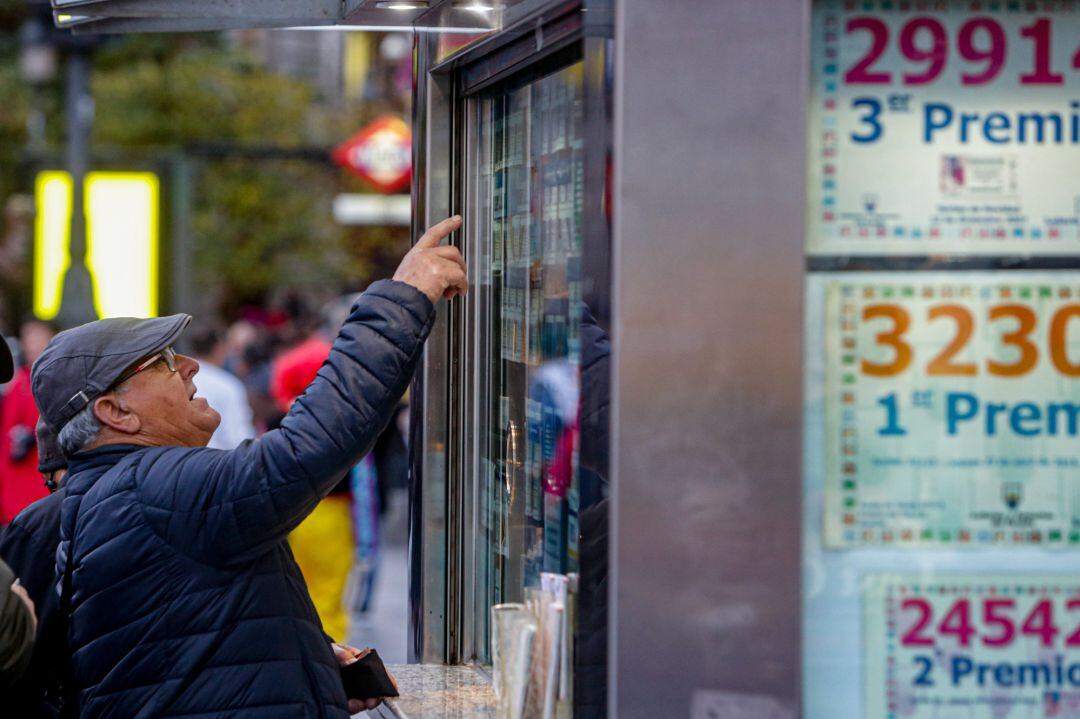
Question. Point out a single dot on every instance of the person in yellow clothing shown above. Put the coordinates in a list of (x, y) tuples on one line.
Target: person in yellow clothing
[(323, 548), (323, 544)]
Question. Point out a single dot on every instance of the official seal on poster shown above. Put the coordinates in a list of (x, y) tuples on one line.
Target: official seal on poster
[(943, 127), (952, 410), (971, 646)]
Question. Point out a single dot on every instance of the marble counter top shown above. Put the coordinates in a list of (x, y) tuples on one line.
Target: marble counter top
[(431, 691)]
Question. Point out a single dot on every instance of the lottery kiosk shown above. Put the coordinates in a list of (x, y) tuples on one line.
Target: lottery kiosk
[(942, 357), (834, 246), (767, 392)]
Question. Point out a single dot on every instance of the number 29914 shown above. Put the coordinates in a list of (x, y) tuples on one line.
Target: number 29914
[(981, 43)]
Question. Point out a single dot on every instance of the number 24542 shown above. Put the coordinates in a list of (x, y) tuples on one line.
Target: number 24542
[(997, 625), (1018, 322)]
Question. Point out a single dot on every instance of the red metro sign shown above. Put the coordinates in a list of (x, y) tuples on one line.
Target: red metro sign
[(381, 153)]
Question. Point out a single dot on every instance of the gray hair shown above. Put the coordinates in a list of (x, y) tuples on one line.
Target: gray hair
[(81, 430)]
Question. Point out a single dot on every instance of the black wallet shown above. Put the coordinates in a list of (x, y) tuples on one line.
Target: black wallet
[(367, 678)]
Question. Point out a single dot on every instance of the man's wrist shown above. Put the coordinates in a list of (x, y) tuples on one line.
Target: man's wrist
[(404, 294)]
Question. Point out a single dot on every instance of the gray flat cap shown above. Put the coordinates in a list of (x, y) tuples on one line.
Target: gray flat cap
[(81, 364)]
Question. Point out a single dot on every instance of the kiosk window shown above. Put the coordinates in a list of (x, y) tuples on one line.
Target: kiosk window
[(525, 186)]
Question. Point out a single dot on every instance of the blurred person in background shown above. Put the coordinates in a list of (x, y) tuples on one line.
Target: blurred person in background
[(364, 483), (323, 544), (17, 626), (368, 494), (20, 483), (29, 547), (221, 388), (237, 338), (17, 620), (182, 597), (381, 474), (392, 456), (16, 239), (253, 364)]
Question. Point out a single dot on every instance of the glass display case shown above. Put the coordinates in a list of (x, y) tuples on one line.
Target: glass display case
[(506, 474), (526, 191)]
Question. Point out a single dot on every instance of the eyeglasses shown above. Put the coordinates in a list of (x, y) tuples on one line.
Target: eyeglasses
[(168, 355)]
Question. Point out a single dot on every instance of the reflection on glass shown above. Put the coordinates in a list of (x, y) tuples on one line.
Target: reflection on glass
[(464, 23), (525, 232)]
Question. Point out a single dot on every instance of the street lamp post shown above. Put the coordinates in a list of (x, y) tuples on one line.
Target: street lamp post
[(77, 300), (37, 66)]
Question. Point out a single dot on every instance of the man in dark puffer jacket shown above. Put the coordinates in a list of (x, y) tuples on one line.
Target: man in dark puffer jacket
[(183, 596)]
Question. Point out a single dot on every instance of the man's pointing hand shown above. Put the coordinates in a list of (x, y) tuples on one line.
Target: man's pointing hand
[(436, 270)]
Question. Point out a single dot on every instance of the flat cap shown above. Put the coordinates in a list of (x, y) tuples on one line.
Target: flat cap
[(81, 364)]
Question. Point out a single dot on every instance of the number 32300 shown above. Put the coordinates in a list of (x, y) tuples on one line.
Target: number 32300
[(1018, 323)]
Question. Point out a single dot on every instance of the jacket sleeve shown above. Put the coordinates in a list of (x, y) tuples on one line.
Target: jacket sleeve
[(223, 507), (16, 631)]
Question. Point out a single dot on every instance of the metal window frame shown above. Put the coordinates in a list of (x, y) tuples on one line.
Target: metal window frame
[(441, 629)]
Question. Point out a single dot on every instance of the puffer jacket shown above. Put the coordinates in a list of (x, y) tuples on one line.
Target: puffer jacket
[(185, 599)]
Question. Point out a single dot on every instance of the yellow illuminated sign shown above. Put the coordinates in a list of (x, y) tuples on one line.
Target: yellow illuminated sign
[(121, 242), (52, 241)]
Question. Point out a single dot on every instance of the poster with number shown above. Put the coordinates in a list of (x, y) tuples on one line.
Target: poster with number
[(958, 646), (952, 410), (944, 127)]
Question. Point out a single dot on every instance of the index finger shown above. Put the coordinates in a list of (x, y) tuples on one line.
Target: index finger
[(435, 234)]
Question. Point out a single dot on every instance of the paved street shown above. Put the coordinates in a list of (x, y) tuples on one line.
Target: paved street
[(386, 626)]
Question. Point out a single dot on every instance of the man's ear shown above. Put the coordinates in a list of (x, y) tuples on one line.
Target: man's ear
[(111, 414)]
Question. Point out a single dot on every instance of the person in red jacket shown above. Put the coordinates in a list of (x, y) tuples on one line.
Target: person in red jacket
[(20, 483)]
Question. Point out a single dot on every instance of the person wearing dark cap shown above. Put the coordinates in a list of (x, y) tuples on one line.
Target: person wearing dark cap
[(182, 596), (29, 547), (17, 619), (52, 465)]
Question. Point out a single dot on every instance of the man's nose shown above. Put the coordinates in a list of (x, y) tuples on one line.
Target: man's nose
[(187, 366)]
